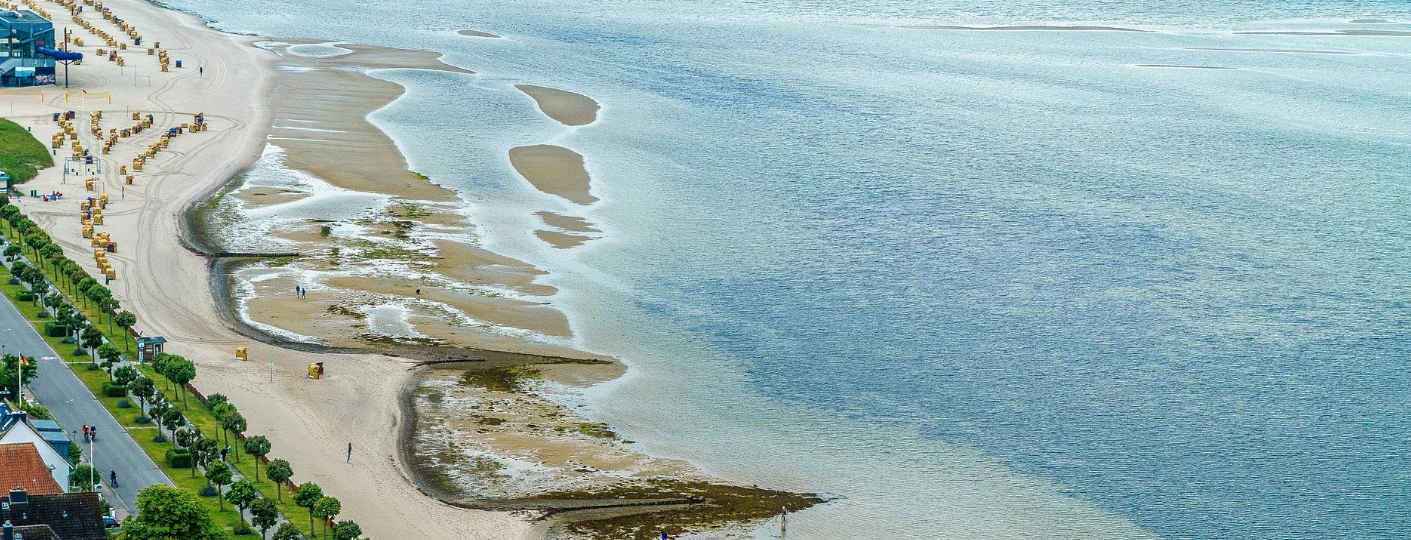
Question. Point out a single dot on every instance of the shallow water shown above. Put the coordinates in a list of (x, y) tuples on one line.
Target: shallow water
[(979, 283)]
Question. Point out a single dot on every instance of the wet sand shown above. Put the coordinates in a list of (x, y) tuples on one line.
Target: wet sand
[(477, 33), (554, 170), (321, 106), (569, 108), (561, 240), (567, 223)]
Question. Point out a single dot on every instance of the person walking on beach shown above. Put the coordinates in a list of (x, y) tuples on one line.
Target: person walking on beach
[(350, 453)]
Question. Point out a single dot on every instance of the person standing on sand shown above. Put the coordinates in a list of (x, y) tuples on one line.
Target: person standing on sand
[(350, 453)]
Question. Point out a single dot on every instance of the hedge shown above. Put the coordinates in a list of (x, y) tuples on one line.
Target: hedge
[(179, 458), (53, 329), (114, 390)]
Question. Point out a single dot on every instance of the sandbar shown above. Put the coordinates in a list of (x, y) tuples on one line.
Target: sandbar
[(1081, 28), (554, 170), (561, 240), (567, 223), (569, 108), (477, 33)]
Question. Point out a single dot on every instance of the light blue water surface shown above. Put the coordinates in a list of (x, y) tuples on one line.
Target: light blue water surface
[(1178, 294)]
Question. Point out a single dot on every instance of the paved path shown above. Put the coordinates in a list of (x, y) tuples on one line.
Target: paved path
[(73, 406)]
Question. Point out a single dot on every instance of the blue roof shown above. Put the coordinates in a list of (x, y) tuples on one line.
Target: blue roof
[(46, 425), (52, 437)]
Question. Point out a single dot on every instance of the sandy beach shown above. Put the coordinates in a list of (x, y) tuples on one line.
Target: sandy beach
[(165, 284)]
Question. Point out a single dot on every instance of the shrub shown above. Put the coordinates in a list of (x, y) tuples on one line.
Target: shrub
[(25, 296), (53, 329), (241, 529), (143, 420), (14, 281), (124, 404), (114, 390), (160, 438), (179, 458)]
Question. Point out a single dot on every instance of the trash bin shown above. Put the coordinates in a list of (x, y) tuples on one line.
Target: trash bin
[(178, 63)]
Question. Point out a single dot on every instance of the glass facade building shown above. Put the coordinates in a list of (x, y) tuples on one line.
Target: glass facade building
[(22, 36)]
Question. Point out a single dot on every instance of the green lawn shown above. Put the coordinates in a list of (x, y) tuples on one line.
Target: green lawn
[(21, 155)]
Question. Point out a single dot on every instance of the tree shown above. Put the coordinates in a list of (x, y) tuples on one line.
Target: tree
[(181, 371), (171, 419), (188, 435), (78, 323), (81, 478), (158, 411), (234, 423), (110, 356), (39, 288), (125, 375), (203, 452), (109, 306), (92, 338), (143, 389), (10, 371), (218, 473), (216, 399), (306, 496), (346, 530), (287, 531), (220, 410), (263, 515), (125, 320), (165, 513), (241, 493), (327, 508), (159, 364), (279, 471), (52, 301), (84, 285), (259, 447)]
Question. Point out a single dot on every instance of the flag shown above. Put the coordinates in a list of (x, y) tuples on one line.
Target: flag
[(24, 361), (85, 91)]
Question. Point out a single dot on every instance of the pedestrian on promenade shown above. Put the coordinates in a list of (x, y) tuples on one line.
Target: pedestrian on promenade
[(93, 432), (350, 452), (223, 452), (85, 433)]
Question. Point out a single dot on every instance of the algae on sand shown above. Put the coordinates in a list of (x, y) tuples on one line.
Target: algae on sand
[(500, 378)]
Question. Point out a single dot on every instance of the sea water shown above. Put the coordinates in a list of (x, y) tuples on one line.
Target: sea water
[(971, 283)]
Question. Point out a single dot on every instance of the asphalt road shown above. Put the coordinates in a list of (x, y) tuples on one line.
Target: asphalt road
[(73, 406)]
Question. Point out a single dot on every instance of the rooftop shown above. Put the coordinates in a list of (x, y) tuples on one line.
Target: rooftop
[(72, 516), (45, 425), (21, 466), (24, 16)]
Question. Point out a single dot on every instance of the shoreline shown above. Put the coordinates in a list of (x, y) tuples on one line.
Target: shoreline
[(569, 512)]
